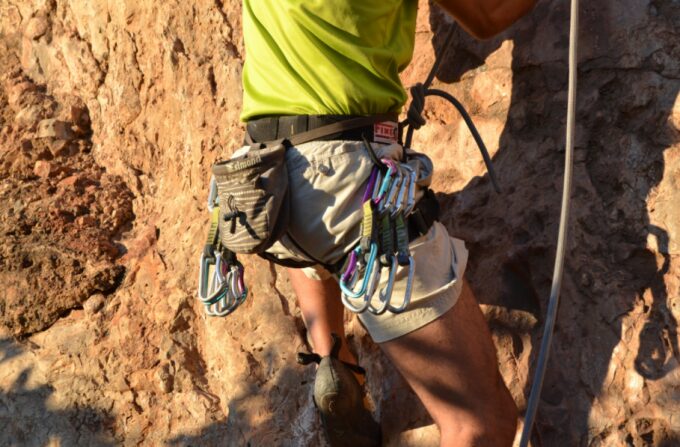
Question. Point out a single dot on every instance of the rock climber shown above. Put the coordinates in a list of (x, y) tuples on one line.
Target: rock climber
[(311, 63)]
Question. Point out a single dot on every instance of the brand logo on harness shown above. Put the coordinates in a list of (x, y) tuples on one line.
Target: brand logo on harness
[(385, 132)]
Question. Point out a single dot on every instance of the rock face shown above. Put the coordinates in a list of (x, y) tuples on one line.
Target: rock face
[(111, 114)]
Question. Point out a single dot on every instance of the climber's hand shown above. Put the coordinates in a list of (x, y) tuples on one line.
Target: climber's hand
[(486, 18)]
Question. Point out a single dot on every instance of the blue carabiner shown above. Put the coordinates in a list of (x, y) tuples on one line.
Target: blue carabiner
[(348, 294), (386, 181), (371, 258), (347, 281)]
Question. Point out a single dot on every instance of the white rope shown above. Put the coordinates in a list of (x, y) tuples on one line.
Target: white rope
[(553, 304)]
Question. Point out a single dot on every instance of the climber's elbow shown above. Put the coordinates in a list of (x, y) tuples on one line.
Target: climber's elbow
[(487, 18), (484, 29)]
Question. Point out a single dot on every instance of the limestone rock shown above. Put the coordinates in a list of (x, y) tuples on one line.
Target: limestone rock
[(98, 260), (36, 27), (43, 168), (53, 128)]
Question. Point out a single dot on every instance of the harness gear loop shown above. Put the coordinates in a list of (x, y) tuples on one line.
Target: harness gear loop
[(371, 153)]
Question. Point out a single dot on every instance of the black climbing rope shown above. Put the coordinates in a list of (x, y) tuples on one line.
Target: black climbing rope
[(414, 116)]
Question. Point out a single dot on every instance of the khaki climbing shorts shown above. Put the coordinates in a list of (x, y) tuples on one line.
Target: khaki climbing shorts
[(327, 182)]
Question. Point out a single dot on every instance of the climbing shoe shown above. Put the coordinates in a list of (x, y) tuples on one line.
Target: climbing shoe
[(339, 399)]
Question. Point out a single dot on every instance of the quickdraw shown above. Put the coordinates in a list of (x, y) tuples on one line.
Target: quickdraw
[(383, 247), (221, 287)]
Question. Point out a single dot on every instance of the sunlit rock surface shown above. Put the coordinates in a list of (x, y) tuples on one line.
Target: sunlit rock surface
[(111, 116)]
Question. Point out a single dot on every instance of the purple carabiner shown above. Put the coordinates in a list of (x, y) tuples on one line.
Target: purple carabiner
[(351, 267), (371, 184)]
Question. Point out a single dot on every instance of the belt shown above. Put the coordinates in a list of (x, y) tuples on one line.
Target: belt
[(289, 126)]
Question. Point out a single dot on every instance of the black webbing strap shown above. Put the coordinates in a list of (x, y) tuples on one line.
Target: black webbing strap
[(425, 213), (329, 129), (305, 358)]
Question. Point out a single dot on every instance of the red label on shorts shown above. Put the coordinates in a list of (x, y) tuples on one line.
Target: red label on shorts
[(385, 132)]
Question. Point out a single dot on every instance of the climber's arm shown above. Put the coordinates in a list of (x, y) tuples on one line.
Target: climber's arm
[(486, 18)]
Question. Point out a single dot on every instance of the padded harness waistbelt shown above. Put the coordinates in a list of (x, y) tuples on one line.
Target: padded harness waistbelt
[(339, 127)]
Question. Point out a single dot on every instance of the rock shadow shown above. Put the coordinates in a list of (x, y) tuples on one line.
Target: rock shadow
[(259, 421), (611, 272), (29, 419)]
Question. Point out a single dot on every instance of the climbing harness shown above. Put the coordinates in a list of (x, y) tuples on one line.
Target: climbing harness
[(221, 287), (553, 303), (255, 208)]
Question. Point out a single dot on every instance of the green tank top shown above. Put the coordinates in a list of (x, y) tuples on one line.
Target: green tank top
[(325, 57)]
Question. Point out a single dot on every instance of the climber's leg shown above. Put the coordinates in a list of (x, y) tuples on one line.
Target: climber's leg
[(322, 312), (451, 365)]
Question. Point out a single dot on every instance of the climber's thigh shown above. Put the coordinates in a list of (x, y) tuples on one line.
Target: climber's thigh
[(451, 365)]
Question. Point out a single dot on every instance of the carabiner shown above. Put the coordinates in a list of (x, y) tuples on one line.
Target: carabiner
[(376, 185), (237, 286), (372, 258), (348, 294), (220, 308), (386, 181), (387, 203), (228, 301), (348, 280), (219, 283), (411, 196), (399, 204), (351, 267), (205, 292), (385, 295), (409, 288), (373, 283)]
